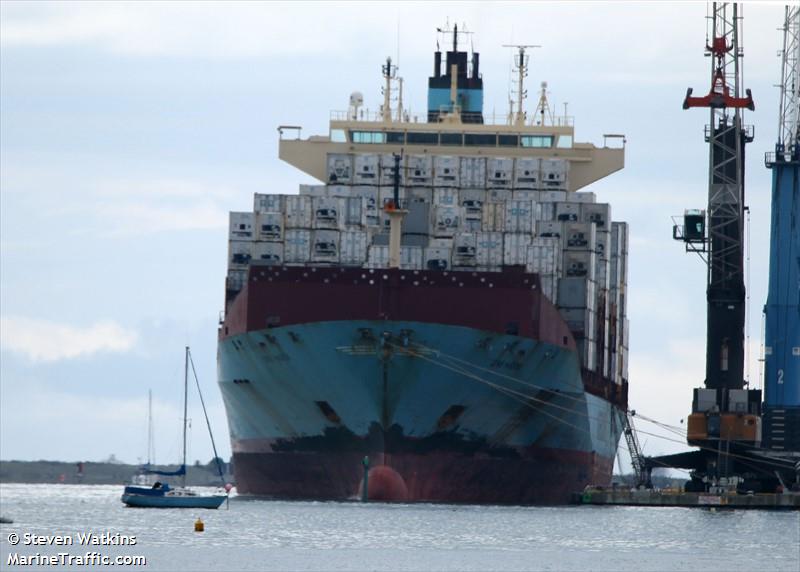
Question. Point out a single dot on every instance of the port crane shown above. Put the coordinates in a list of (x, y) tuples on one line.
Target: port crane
[(726, 418)]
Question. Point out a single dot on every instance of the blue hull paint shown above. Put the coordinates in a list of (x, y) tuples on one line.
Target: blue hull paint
[(150, 501), (286, 389)]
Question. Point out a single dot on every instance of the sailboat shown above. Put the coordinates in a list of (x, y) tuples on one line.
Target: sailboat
[(161, 494)]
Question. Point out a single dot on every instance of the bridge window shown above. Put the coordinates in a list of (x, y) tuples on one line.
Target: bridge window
[(395, 137), (422, 138), (368, 137), (338, 136), (508, 140), (480, 139), (537, 141), (452, 139), (564, 142)]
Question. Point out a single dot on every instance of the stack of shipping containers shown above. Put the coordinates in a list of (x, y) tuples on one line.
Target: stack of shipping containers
[(465, 214)]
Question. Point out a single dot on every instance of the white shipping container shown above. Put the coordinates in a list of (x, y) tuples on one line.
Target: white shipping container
[(472, 200), (544, 256), (387, 170), (603, 243), (269, 253), (532, 196), (602, 272), (270, 226), (325, 246), (580, 321), (235, 279), (371, 196), (498, 195), (577, 293), (241, 226), (549, 286), (550, 196), (437, 258), (268, 203), (579, 236), (353, 247), (446, 221), (597, 213), (527, 173), (328, 212), (579, 263), (621, 229), (554, 174), (378, 256), (473, 172), (519, 216), (587, 348), (342, 191), (489, 249), (441, 243), (465, 251), (366, 169), (445, 171), (568, 212), (515, 248), (297, 246), (411, 257), (493, 217), (545, 212), (298, 212), (549, 229), (355, 212), (581, 197), (419, 194), (419, 170), (317, 190), (471, 225), (447, 197), (240, 252), (499, 172), (340, 169)]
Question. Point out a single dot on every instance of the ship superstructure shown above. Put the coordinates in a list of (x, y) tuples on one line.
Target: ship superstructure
[(480, 357)]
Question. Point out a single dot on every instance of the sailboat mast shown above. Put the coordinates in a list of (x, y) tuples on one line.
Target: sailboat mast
[(150, 452), (185, 408)]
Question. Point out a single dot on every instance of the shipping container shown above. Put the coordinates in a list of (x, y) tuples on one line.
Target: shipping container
[(241, 226), (581, 197), (588, 351), (268, 203), (602, 272), (355, 212), (544, 212), (325, 246), (353, 247), (544, 256), (240, 252), (621, 228), (580, 321), (603, 243), (579, 236), (549, 229), (597, 213), (446, 220), (549, 284), (342, 191), (532, 196), (489, 249), (378, 256), (298, 212), (419, 170), (446, 243), (472, 200), (515, 248), (366, 169), (297, 246), (437, 258), (411, 257), (465, 250), (568, 212), (328, 213), (318, 190), (473, 172), (550, 196), (235, 280), (340, 169), (519, 217), (493, 217), (418, 219), (387, 170), (269, 253), (445, 171), (371, 196), (498, 195), (446, 197), (554, 174), (577, 293), (527, 173), (499, 172), (471, 225), (269, 226), (419, 194), (579, 263)]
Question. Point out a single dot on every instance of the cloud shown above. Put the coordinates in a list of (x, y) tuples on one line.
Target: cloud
[(46, 341)]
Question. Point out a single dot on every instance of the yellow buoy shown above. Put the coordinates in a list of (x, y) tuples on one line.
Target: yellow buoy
[(199, 526)]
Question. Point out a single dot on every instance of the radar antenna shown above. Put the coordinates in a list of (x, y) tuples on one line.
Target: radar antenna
[(521, 67), (543, 113)]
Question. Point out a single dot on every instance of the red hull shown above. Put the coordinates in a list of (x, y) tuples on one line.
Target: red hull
[(538, 476)]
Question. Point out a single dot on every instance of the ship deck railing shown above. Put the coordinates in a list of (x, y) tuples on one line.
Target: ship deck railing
[(368, 116)]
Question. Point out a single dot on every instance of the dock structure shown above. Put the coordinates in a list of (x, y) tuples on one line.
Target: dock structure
[(677, 498)]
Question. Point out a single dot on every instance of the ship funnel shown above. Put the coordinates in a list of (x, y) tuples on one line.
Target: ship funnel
[(468, 102)]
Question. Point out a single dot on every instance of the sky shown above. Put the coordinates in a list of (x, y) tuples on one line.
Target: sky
[(129, 130)]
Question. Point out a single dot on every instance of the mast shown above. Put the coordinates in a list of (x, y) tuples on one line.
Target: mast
[(150, 451), (521, 66), (185, 408)]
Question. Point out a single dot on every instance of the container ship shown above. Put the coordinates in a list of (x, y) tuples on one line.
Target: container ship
[(442, 318)]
